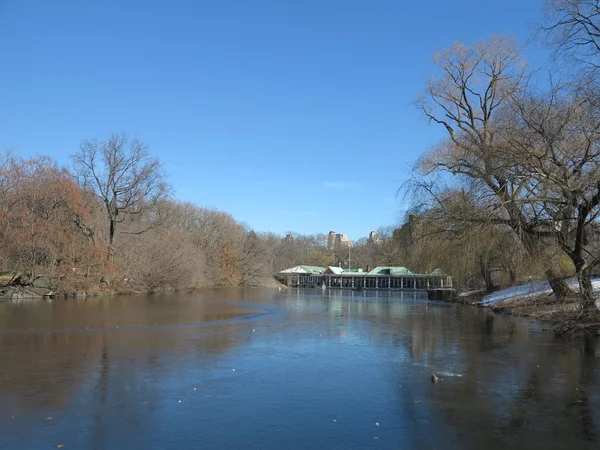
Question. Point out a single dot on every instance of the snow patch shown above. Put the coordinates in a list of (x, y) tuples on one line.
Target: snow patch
[(531, 290)]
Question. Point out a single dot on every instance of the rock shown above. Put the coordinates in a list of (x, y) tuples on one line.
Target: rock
[(45, 283), (26, 287), (8, 278), (22, 280), (18, 293), (434, 378), (41, 292)]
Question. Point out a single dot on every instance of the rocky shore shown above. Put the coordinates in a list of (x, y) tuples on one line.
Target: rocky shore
[(26, 287)]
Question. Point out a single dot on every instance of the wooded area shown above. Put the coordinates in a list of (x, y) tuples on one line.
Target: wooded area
[(515, 185), (511, 195), (110, 224)]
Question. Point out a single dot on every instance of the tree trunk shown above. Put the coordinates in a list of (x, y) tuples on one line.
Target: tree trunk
[(588, 301), (512, 276), (111, 239), (487, 277), (560, 288)]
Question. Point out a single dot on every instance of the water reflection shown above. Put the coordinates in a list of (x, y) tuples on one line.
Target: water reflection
[(320, 370), (113, 312)]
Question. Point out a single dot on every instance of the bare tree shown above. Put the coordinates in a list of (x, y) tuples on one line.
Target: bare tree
[(41, 210), (469, 100), (123, 175), (386, 249), (556, 142), (220, 238), (253, 260), (574, 30), (454, 229), (162, 258)]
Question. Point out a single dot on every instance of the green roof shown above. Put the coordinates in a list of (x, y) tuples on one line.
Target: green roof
[(390, 270), (380, 270), (312, 270)]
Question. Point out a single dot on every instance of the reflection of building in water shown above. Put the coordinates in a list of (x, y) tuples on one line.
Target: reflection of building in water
[(387, 277)]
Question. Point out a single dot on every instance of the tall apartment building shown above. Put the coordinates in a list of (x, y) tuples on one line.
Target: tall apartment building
[(337, 241), (331, 241), (373, 238)]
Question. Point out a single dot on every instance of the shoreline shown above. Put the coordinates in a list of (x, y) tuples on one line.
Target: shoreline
[(562, 317), (18, 293)]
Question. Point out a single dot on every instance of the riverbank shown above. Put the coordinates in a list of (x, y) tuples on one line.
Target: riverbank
[(20, 293), (536, 301), (45, 287), (563, 317)]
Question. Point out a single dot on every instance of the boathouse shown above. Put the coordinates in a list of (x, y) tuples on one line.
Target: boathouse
[(302, 276), (384, 277)]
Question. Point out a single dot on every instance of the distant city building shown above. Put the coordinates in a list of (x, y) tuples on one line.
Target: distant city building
[(373, 238), (337, 241), (342, 241), (331, 241)]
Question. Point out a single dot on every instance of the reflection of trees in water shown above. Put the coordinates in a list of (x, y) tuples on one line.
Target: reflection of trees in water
[(559, 381), (135, 365), (119, 311), (101, 396), (423, 327), (46, 369), (520, 396), (589, 427), (41, 370), (502, 393), (457, 340)]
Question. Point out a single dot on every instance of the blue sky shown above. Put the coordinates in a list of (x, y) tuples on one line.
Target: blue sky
[(290, 115)]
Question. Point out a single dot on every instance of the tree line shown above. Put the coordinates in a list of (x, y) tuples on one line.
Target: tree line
[(109, 222), (513, 190), (511, 194)]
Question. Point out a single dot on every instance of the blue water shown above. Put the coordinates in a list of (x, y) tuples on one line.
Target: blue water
[(295, 369)]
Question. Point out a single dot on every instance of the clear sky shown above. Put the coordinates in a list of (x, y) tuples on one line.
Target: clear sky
[(292, 115)]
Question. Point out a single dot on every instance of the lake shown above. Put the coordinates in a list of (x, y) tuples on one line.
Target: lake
[(296, 369)]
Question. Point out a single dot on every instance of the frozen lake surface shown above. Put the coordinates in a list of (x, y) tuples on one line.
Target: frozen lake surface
[(297, 369)]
